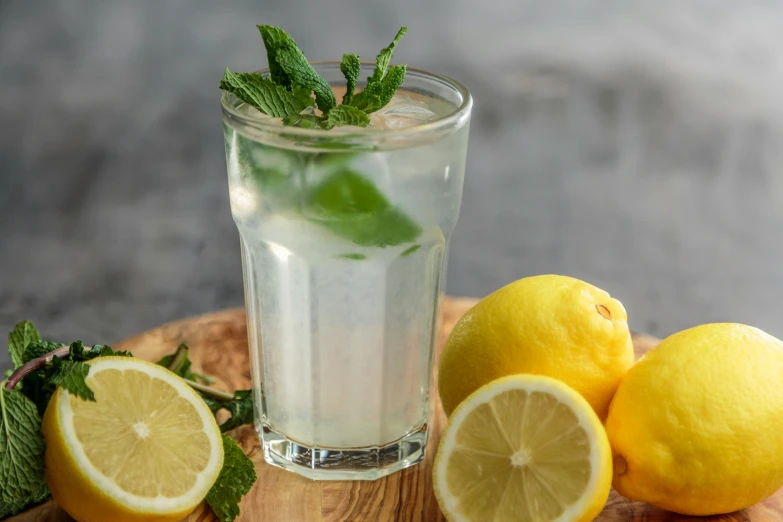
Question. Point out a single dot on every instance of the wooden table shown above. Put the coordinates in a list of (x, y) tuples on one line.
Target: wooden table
[(218, 343)]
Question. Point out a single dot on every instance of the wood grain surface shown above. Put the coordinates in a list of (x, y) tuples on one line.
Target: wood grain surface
[(218, 343)]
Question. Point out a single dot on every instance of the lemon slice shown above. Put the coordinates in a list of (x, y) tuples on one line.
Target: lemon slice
[(523, 448), (148, 448)]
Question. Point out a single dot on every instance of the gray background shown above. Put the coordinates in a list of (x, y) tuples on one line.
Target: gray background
[(635, 144)]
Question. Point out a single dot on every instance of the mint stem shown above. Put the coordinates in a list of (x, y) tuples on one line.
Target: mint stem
[(34, 365), (39, 362), (179, 357), (212, 393)]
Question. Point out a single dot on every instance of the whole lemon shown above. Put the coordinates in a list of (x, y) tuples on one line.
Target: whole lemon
[(696, 426), (549, 325)]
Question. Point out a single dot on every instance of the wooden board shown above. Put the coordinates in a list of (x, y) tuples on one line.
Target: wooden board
[(218, 343)]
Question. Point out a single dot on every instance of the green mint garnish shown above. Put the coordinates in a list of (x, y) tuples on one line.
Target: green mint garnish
[(351, 67), (41, 366), (293, 82), (235, 480), (351, 206), (263, 94)]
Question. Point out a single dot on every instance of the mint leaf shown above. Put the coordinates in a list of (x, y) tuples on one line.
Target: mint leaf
[(21, 453), (352, 207), (14, 508), (383, 89), (234, 482), (23, 334), (274, 38), (304, 95), (72, 376), (353, 256), (263, 94), (346, 115), (179, 362), (296, 66), (384, 57), (351, 67), (367, 102), (39, 348), (241, 409), (100, 350)]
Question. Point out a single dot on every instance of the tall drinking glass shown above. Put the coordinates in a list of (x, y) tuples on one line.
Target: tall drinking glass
[(344, 237)]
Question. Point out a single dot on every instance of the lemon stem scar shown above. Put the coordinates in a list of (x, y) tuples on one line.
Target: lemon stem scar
[(603, 311), (620, 465)]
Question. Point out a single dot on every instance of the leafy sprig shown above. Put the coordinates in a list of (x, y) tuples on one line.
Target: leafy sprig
[(40, 366), (293, 82)]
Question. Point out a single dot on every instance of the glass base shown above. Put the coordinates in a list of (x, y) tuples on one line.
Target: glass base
[(368, 463)]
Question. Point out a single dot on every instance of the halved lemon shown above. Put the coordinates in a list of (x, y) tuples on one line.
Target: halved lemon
[(147, 449), (523, 448)]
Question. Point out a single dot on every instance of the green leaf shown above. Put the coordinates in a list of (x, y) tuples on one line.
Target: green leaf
[(100, 350), (367, 102), (295, 65), (21, 453), (410, 250), (241, 409), (346, 115), (179, 362), (304, 95), (263, 94), (351, 66), (274, 38), (39, 348), (234, 482), (353, 256), (352, 207), (305, 121), (72, 375), (385, 56), (384, 89), (13, 508), (23, 334)]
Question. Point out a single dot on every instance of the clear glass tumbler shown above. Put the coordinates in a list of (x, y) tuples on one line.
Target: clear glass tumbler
[(344, 237)]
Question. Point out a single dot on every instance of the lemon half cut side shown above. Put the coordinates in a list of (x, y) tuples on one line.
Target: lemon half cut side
[(523, 448)]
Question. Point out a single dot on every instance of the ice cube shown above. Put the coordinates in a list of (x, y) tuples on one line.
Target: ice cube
[(401, 112)]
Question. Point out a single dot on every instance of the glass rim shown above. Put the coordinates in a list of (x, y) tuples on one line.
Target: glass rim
[(453, 119)]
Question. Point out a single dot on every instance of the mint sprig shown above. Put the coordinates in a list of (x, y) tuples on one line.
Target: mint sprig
[(234, 482), (293, 82), (41, 366)]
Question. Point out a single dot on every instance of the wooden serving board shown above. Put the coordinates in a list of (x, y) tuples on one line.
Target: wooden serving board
[(218, 347)]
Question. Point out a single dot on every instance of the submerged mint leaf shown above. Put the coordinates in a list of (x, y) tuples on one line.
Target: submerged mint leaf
[(351, 67), (353, 257), (296, 66), (262, 94), (385, 56), (411, 250), (21, 453), (305, 121), (234, 482), (22, 335), (351, 206), (346, 115)]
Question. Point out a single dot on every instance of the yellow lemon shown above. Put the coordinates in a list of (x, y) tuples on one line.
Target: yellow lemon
[(148, 448), (695, 426), (523, 448), (545, 325)]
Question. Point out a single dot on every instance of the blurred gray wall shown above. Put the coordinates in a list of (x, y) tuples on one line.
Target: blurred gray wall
[(635, 144)]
